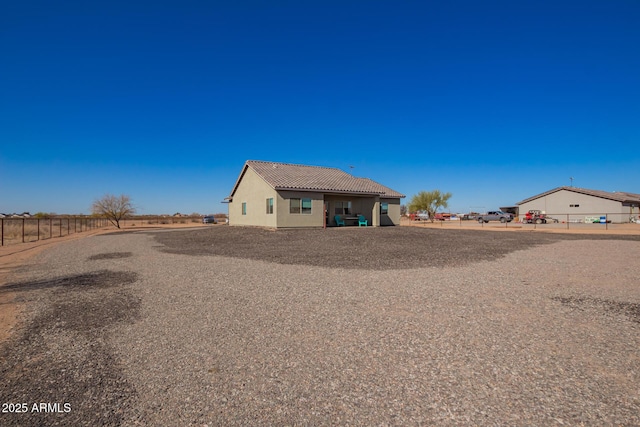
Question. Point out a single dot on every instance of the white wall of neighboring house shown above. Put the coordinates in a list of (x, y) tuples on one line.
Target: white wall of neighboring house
[(573, 206)]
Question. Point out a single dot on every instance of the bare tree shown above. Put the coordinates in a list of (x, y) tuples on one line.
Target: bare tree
[(114, 208)]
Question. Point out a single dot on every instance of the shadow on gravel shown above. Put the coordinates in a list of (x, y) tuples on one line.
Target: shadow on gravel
[(62, 354), (360, 248), (111, 255), (630, 310), (100, 279)]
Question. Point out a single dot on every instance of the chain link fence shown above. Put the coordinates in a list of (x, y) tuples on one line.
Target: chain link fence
[(548, 221)]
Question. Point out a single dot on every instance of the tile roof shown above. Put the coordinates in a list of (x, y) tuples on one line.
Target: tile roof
[(286, 176), (619, 196)]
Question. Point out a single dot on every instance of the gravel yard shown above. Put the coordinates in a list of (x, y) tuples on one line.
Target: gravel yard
[(351, 326)]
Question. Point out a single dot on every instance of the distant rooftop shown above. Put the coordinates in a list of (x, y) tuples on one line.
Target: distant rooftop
[(618, 196)]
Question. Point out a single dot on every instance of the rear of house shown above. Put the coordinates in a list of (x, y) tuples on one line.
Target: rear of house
[(282, 195)]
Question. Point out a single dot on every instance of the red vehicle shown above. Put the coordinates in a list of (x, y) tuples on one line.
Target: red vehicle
[(535, 216)]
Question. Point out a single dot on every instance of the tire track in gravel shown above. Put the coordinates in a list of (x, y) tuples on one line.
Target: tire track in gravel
[(61, 355)]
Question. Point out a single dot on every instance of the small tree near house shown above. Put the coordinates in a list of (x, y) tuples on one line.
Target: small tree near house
[(114, 208), (430, 202)]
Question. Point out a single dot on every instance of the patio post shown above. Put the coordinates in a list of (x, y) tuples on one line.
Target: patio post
[(375, 217)]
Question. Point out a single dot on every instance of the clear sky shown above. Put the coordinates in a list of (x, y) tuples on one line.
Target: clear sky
[(493, 101)]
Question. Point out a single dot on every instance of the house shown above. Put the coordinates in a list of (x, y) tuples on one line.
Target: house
[(581, 204), (282, 195)]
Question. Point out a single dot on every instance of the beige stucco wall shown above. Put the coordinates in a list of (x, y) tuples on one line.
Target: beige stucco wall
[(287, 219), (254, 191), (557, 205), (393, 216)]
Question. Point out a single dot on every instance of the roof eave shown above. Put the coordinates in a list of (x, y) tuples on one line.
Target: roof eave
[(326, 190)]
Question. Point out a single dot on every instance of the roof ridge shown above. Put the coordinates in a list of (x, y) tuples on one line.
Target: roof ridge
[(295, 164)]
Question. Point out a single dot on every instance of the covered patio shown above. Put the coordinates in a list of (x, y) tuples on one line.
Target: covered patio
[(350, 209)]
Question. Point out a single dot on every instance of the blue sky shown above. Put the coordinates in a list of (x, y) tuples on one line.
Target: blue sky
[(493, 101)]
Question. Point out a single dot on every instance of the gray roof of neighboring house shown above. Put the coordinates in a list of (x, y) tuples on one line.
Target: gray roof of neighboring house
[(286, 176), (618, 196)]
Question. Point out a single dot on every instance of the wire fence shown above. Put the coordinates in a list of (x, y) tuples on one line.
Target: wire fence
[(25, 230)]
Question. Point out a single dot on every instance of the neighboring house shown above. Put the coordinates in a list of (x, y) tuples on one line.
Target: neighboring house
[(281, 195), (578, 204)]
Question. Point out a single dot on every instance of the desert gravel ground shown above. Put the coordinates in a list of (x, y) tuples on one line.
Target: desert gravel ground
[(377, 326)]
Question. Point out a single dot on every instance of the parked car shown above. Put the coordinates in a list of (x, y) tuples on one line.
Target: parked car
[(419, 216), (495, 216), (209, 219)]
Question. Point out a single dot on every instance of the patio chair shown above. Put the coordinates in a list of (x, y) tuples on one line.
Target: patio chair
[(362, 221), (339, 221)]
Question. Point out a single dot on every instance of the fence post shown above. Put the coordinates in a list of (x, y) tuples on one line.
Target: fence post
[(2, 232), (22, 230), (38, 229)]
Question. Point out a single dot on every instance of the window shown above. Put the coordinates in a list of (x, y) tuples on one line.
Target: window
[(244, 208), (294, 206), (384, 208), (270, 206), (574, 206), (302, 206), (343, 208), (306, 206)]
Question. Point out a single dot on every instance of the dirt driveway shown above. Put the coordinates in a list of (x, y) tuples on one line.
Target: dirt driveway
[(388, 326)]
